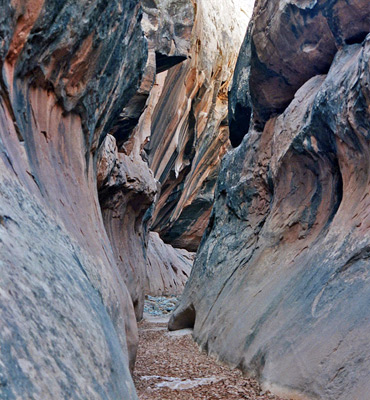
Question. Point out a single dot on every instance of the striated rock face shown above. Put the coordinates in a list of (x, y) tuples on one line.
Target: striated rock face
[(67, 324), (167, 25), (127, 186), (125, 195), (168, 268), (186, 121), (158, 169), (280, 283)]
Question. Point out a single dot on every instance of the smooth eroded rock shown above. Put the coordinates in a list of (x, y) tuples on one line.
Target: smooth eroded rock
[(187, 124), (168, 268), (67, 323), (280, 283), (292, 41)]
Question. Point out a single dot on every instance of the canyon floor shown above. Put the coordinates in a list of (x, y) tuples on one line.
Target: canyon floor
[(170, 366)]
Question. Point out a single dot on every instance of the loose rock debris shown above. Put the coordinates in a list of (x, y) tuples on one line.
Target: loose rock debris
[(170, 366), (162, 305)]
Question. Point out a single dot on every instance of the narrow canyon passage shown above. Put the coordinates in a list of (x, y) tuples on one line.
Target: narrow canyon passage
[(167, 164), (170, 366)]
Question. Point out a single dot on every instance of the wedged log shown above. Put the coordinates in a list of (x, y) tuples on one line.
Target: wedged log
[(168, 27)]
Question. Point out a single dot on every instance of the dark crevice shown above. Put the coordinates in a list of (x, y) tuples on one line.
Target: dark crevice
[(363, 254), (4, 94), (5, 219), (129, 118), (239, 124), (338, 193), (358, 38), (136, 305), (164, 62)]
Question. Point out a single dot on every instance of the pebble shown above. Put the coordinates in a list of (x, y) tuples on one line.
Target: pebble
[(161, 305)]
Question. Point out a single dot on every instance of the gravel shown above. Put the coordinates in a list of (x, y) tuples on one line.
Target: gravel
[(160, 305), (171, 367)]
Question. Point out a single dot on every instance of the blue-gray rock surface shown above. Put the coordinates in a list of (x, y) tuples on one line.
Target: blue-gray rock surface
[(280, 285), (67, 322)]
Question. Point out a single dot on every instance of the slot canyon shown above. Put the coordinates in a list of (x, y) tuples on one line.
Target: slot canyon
[(185, 199)]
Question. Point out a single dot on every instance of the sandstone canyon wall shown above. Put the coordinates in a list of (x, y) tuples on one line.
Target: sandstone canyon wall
[(186, 122), (67, 324), (127, 186), (158, 167), (168, 268), (280, 286), (83, 178)]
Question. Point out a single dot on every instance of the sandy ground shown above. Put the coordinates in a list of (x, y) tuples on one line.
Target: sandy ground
[(170, 366)]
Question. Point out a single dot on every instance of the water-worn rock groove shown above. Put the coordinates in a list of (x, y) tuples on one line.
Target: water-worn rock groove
[(129, 148)]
